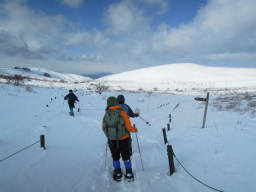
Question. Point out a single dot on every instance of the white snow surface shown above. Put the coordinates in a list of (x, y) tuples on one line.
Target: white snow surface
[(222, 155), (184, 77)]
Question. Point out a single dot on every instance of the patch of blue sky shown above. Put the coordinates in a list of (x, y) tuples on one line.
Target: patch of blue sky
[(179, 13), (75, 50), (90, 13), (87, 15)]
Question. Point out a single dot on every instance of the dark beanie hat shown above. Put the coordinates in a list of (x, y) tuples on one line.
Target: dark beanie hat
[(120, 99)]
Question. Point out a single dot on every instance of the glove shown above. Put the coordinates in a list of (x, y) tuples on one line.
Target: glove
[(136, 130), (136, 115)]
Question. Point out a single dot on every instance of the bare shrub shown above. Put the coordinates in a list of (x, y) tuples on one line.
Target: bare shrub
[(22, 68), (26, 69), (18, 79), (29, 89), (179, 90), (101, 87), (252, 104), (248, 97), (47, 75), (241, 103), (231, 105)]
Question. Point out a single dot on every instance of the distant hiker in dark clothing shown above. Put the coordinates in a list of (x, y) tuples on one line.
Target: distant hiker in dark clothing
[(116, 126), (129, 112), (72, 98), (126, 108)]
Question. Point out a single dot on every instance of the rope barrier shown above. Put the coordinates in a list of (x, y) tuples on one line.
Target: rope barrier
[(19, 151), (91, 109), (194, 176), (176, 106)]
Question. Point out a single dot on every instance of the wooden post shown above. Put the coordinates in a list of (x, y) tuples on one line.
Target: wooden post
[(42, 141), (170, 117), (170, 158), (164, 135), (168, 126), (205, 109)]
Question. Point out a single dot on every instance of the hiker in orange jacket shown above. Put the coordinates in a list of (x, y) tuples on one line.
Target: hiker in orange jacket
[(116, 126)]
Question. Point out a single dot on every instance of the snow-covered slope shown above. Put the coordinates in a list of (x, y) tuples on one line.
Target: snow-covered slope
[(43, 74), (184, 77), (221, 155), (44, 78)]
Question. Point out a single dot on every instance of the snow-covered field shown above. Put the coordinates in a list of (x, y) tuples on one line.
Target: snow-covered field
[(184, 78), (221, 155)]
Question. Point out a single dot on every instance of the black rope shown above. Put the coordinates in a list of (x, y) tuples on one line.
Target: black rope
[(19, 151), (91, 109), (195, 177)]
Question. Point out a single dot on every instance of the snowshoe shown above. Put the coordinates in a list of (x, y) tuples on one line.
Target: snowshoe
[(117, 175), (129, 175)]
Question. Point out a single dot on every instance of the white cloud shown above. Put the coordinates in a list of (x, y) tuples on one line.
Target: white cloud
[(30, 38), (72, 3), (34, 33), (33, 45), (220, 27), (125, 18), (224, 31), (95, 39)]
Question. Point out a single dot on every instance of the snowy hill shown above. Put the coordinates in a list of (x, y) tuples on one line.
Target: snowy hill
[(43, 77), (184, 77), (221, 155), (43, 74)]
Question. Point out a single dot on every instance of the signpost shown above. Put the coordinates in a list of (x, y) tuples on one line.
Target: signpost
[(206, 106)]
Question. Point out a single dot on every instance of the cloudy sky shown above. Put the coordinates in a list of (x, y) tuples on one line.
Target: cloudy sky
[(90, 36)]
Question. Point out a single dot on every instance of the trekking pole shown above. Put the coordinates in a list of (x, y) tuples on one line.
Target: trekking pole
[(145, 121), (139, 152), (106, 151), (78, 107)]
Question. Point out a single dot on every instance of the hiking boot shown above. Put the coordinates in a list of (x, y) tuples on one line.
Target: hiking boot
[(117, 174), (129, 174)]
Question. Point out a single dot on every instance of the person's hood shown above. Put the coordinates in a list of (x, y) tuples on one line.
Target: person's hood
[(111, 101)]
